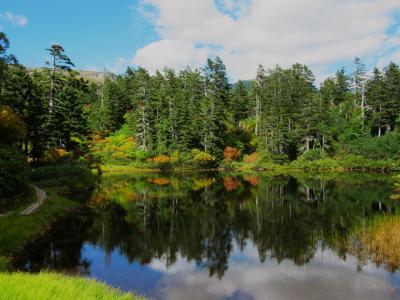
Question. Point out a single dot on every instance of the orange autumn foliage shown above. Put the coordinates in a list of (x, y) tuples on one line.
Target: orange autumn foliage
[(252, 179), (159, 181), (231, 184), (160, 159), (231, 153), (252, 158)]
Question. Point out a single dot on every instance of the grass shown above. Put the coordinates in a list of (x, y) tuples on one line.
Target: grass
[(54, 286), (16, 230), (337, 164), (381, 240), (108, 168)]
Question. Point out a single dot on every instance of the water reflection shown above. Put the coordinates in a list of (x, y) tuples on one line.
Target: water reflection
[(209, 235)]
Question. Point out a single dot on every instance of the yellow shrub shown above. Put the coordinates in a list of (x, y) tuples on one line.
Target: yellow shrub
[(119, 155), (202, 156), (53, 154)]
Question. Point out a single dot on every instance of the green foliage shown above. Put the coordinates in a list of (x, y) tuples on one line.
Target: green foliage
[(281, 114), (313, 154), (71, 179), (384, 147), (118, 148), (202, 159), (12, 128), (14, 181)]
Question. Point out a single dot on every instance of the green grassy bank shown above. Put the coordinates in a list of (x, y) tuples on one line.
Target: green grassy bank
[(16, 230), (43, 286), (332, 164)]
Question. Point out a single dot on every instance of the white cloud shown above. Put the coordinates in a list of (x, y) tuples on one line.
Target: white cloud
[(17, 20), (270, 32), (118, 66), (247, 278), (175, 53)]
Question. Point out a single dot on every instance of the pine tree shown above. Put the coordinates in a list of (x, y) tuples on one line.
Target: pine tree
[(141, 98), (360, 80), (24, 96), (216, 98), (240, 103), (70, 118), (59, 63)]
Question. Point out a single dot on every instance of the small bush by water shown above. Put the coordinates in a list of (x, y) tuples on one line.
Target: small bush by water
[(69, 178)]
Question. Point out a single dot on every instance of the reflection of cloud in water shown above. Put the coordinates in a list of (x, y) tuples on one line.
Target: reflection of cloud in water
[(326, 277)]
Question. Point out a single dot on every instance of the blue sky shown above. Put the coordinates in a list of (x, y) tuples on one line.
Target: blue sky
[(324, 34), (94, 33)]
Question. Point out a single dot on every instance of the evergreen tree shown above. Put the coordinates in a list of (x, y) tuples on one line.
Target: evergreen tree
[(216, 97), (240, 104), (391, 94), (25, 97), (360, 80), (59, 63), (71, 121)]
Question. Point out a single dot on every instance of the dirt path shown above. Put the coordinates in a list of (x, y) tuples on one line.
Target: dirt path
[(40, 196)]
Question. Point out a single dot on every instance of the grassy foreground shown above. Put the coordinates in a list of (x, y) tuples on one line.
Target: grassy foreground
[(54, 286), (16, 230)]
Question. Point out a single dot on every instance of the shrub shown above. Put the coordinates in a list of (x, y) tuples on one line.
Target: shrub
[(311, 155), (384, 147), (70, 178), (252, 158), (12, 128), (160, 161), (231, 153), (202, 159), (54, 154), (118, 148)]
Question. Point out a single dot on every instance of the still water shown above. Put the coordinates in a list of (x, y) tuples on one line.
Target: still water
[(225, 236)]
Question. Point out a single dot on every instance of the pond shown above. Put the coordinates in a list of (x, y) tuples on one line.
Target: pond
[(225, 236)]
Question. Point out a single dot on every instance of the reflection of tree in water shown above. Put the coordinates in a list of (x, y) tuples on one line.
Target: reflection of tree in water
[(59, 250), (201, 217), (283, 216)]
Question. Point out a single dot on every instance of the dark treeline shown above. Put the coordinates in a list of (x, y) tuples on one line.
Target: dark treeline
[(281, 115)]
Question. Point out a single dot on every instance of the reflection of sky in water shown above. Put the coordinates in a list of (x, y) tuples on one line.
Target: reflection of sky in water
[(325, 277)]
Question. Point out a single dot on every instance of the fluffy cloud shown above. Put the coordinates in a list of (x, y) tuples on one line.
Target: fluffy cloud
[(246, 33), (247, 278), (17, 20)]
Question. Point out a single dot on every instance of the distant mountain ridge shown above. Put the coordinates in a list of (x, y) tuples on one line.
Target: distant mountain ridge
[(94, 76), (247, 83)]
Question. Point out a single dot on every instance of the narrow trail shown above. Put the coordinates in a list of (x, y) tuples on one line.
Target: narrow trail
[(40, 196)]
